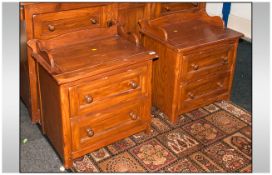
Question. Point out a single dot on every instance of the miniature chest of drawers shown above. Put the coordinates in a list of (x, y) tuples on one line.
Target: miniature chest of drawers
[(94, 89), (196, 60)]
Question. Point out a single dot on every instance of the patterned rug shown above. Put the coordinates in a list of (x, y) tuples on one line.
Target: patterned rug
[(215, 138)]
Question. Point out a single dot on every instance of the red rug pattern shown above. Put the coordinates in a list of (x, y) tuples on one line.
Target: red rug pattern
[(215, 138)]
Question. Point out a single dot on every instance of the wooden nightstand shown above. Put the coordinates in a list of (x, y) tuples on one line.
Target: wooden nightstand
[(95, 89), (196, 60)]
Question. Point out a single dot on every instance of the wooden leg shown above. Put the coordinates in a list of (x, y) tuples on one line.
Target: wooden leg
[(68, 163), (228, 98), (173, 119), (43, 130), (148, 129)]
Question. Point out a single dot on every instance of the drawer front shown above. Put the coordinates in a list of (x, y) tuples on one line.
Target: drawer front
[(108, 91), (105, 127), (49, 25), (202, 91), (203, 62), (174, 7)]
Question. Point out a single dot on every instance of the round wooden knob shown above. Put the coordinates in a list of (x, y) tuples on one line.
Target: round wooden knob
[(109, 23), (220, 84), (167, 8), (133, 85), (93, 21), (88, 99), (133, 116), (51, 28), (195, 66), (225, 60), (195, 4), (90, 132), (191, 96)]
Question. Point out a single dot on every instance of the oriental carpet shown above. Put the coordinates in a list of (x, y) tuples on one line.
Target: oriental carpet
[(214, 138)]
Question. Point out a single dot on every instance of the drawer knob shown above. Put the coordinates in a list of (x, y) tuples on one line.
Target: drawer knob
[(88, 99), (93, 21), (195, 66), (51, 28), (133, 84), (195, 4), (225, 60), (167, 8), (220, 84), (90, 132), (133, 116), (191, 96), (109, 23)]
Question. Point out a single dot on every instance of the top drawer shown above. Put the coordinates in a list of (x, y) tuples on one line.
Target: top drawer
[(207, 61), (174, 7), (108, 91), (49, 25)]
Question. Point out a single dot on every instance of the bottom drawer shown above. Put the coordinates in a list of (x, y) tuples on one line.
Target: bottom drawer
[(102, 128), (203, 91)]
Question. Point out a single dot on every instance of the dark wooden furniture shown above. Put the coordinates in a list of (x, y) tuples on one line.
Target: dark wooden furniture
[(95, 88), (196, 60), (48, 20)]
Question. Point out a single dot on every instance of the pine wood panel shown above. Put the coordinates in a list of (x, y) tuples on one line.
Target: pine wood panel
[(53, 24), (203, 91), (104, 125), (111, 89)]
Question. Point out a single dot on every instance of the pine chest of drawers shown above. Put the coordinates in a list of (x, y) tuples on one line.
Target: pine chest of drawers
[(51, 19), (95, 89), (196, 60)]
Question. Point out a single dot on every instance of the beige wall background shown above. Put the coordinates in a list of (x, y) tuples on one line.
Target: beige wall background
[(239, 18)]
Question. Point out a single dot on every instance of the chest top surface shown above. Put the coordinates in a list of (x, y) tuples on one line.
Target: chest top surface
[(187, 30), (83, 53), (94, 53)]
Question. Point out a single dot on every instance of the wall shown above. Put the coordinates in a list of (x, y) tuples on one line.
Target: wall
[(239, 18)]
